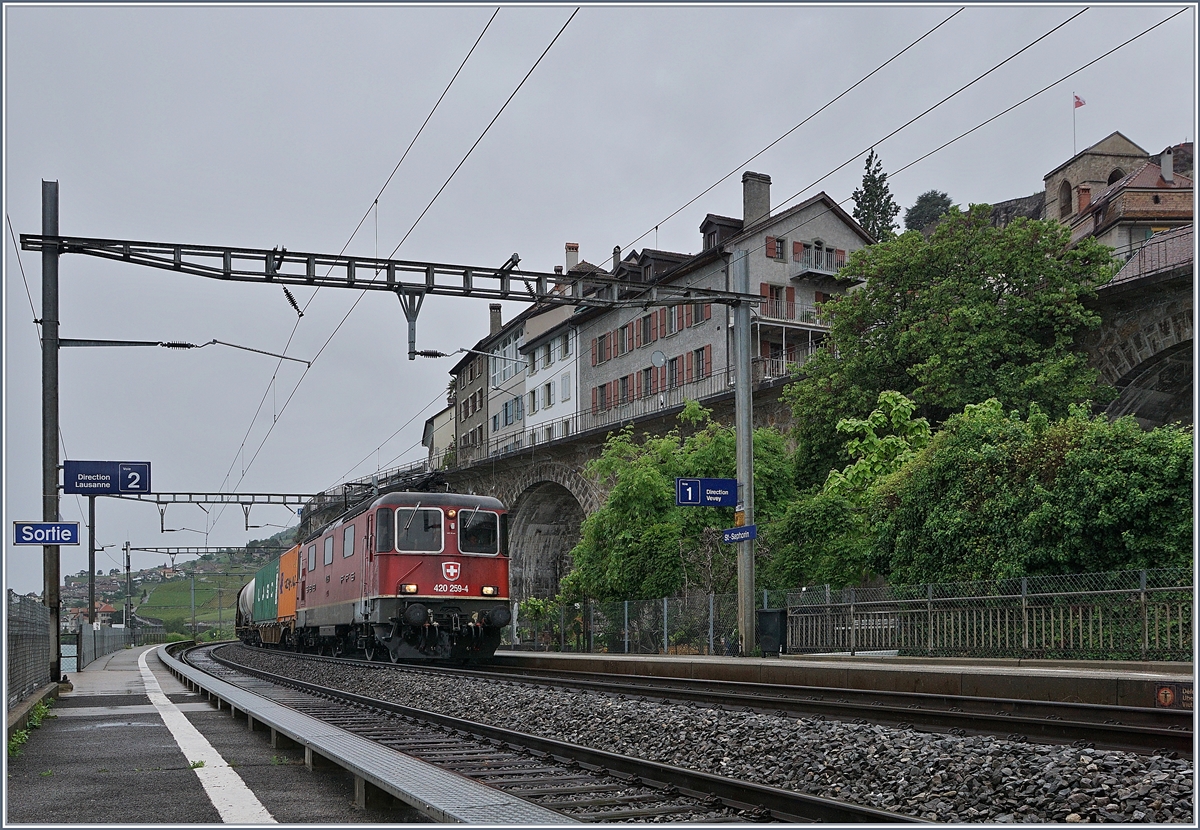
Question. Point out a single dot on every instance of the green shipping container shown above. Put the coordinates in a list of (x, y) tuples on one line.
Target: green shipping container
[(266, 593)]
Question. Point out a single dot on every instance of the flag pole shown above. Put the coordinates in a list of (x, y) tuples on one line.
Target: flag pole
[(1074, 143)]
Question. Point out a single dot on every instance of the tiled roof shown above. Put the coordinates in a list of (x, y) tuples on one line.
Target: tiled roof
[(1148, 175)]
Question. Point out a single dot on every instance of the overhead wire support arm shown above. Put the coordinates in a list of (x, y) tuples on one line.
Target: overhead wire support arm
[(279, 265)]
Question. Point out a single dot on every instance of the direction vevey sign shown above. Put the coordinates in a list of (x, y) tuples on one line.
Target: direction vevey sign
[(706, 492), (739, 534), (45, 533), (106, 478)]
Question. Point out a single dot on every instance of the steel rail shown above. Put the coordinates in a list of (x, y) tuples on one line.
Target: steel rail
[(757, 800)]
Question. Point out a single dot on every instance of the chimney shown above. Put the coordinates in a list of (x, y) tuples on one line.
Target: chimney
[(616, 257), (1168, 166), (572, 255), (756, 197), (558, 270), (1085, 197), (497, 322)]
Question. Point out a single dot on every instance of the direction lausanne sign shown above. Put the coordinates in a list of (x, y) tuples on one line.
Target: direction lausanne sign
[(706, 492), (105, 478), (45, 533)]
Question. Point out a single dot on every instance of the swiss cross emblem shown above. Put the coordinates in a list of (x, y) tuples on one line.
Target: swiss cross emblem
[(450, 570)]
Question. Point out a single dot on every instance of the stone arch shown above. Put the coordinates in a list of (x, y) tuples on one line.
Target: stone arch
[(1064, 199), (1116, 175), (1159, 389)]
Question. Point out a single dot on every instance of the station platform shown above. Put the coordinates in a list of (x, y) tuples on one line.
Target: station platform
[(106, 755), (1117, 683)]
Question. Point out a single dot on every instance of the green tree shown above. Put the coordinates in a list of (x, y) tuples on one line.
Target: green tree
[(929, 207), (827, 534), (994, 495), (874, 207), (971, 313), (639, 545)]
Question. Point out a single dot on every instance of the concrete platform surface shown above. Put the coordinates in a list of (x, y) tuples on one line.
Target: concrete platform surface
[(107, 756), (1114, 684)]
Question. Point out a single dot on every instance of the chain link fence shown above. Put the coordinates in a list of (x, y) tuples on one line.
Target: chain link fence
[(28, 627), (1123, 615)]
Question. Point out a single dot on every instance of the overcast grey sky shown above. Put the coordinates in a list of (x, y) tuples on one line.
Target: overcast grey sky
[(277, 125)]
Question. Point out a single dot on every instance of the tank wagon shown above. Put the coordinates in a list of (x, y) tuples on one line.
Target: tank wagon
[(405, 576)]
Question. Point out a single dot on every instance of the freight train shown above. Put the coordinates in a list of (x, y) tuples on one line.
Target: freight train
[(405, 576)]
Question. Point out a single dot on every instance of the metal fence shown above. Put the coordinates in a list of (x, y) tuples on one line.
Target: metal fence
[(28, 626), (1123, 615), (92, 643)]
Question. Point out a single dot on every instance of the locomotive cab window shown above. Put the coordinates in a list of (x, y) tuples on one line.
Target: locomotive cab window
[(328, 550), (312, 557), (348, 542), (383, 530), (418, 529), (479, 532)]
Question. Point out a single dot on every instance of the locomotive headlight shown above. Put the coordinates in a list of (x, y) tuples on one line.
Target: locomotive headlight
[(408, 588), (491, 591)]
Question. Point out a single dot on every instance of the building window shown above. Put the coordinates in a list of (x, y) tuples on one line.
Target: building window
[(697, 313), (548, 354), (602, 396), (603, 347), (548, 394), (533, 363), (647, 323), (565, 346), (780, 247), (673, 319), (647, 382), (624, 386), (565, 387), (698, 364), (1064, 199), (674, 372), (496, 422), (533, 401), (710, 240), (623, 340)]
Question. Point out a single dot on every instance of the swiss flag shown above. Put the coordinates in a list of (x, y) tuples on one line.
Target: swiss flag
[(450, 570), (1079, 102)]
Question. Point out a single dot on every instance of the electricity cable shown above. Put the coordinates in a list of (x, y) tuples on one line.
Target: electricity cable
[(21, 265), (363, 293), (817, 112), (291, 336)]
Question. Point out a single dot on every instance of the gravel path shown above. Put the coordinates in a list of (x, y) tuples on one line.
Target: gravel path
[(935, 777)]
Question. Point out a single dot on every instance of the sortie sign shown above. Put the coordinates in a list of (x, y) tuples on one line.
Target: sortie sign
[(45, 533)]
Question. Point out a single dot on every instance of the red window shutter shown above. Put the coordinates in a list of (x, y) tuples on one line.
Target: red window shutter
[(653, 327), (608, 345), (653, 381), (689, 369), (593, 351), (662, 377), (765, 290), (615, 387), (637, 334), (662, 322), (841, 258), (771, 247), (595, 395), (790, 294), (708, 311), (766, 349), (679, 317), (687, 315), (797, 251), (708, 360)]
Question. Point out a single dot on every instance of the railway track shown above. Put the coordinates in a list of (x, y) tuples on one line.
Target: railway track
[(582, 784), (1129, 729)]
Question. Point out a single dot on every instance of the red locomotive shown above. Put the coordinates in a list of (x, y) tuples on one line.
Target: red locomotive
[(407, 575)]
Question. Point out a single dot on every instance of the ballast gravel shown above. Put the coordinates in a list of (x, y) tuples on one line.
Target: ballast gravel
[(936, 777)]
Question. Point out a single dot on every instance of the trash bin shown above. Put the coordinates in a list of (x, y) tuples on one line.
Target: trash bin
[(772, 631)]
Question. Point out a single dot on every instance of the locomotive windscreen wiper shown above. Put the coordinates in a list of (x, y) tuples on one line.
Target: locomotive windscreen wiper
[(412, 516)]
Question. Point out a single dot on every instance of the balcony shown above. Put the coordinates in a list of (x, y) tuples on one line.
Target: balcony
[(824, 262), (782, 311)]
